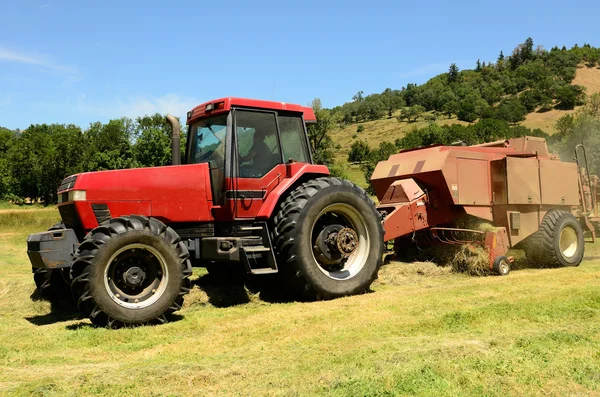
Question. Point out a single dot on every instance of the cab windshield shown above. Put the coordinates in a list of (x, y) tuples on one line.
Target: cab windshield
[(208, 141)]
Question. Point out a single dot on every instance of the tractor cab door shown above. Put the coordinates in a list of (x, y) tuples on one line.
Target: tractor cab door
[(263, 142)]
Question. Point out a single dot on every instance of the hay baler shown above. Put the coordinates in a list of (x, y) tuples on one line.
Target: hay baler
[(533, 199)]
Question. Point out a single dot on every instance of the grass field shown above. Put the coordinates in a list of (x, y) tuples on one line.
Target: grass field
[(422, 331)]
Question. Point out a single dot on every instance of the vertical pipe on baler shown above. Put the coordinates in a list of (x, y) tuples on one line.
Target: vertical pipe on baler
[(175, 140)]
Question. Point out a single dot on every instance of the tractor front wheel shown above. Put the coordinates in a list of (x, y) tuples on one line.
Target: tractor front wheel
[(328, 239), (130, 270)]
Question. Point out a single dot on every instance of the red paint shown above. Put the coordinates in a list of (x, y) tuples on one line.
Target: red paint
[(182, 193), (200, 110), (172, 194), (294, 172)]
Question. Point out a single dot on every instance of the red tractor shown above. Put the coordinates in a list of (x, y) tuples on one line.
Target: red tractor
[(248, 194)]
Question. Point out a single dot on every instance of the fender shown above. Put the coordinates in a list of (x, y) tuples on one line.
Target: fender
[(294, 173)]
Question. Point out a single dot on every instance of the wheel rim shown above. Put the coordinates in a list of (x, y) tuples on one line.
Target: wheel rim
[(340, 241), (568, 242), (136, 276), (504, 266)]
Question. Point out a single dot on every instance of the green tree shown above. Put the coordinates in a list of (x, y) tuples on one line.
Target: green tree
[(152, 141), (318, 134), (453, 73), (468, 110), (359, 152), (511, 110), (7, 140), (569, 96)]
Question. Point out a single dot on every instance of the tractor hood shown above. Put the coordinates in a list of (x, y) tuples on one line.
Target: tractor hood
[(173, 194)]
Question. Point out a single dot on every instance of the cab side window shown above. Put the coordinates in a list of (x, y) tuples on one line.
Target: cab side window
[(258, 146), (293, 139)]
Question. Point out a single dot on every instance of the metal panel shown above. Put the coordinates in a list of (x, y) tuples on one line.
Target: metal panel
[(473, 182), (523, 180), (498, 176), (529, 221), (559, 183)]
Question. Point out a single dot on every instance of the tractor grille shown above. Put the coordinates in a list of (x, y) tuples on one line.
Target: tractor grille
[(67, 183), (68, 214), (101, 212)]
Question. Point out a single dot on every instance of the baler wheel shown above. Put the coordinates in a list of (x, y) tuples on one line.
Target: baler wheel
[(52, 284), (328, 239), (130, 270), (502, 266), (558, 242)]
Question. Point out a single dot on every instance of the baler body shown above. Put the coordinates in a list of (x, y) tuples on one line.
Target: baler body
[(511, 184)]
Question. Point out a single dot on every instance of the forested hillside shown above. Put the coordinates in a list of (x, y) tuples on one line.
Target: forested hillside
[(532, 91)]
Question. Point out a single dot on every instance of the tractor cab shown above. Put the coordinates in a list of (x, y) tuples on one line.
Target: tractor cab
[(249, 146)]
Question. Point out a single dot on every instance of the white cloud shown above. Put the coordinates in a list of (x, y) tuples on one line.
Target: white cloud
[(8, 55)]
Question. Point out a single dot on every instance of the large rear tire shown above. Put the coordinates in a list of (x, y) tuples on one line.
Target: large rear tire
[(558, 242), (130, 270), (328, 239), (53, 284)]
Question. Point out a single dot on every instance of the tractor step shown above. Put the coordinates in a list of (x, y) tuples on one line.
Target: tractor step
[(264, 270), (259, 259), (250, 228), (256, 249)]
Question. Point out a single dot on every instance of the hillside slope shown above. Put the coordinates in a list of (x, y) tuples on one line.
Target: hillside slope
[(390, 129), (585, 77)]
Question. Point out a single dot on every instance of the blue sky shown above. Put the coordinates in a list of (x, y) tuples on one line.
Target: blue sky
[(83, 61)]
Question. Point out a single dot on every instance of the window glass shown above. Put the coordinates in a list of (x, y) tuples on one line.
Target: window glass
[(208, 141), (293, 140), (208, 146), (258, 147)]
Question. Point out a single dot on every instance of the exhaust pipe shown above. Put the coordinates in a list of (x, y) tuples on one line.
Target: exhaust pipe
[(175, 140)]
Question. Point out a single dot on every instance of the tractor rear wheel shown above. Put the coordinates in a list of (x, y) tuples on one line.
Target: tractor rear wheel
[(558, 242), (52, 284), (328, 239), (130, 270)]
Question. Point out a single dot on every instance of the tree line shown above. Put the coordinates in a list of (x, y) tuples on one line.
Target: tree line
[(33, 162), (530, 79)]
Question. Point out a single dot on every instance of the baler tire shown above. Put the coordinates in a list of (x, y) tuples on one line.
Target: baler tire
[(51, 283), (544, 247), (304, 277), (501, 266), (99, 252)]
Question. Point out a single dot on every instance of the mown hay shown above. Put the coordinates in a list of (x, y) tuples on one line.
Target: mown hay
[(398, 273), (470, 259)]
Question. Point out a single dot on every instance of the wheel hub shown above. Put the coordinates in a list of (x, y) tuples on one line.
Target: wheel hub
[(346, 240), (134, 276), (568, 242), (326, 245)]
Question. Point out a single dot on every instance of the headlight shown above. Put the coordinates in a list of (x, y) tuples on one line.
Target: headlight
[(73, 195), (77, 195)]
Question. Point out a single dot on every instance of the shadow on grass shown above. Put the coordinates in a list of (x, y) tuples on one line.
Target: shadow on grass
[(88, 325), (60, 310), (223, 290), (234, 287)]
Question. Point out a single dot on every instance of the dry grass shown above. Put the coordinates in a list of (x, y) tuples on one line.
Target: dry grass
[(586, 77), (386, 129), (423, 331)]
